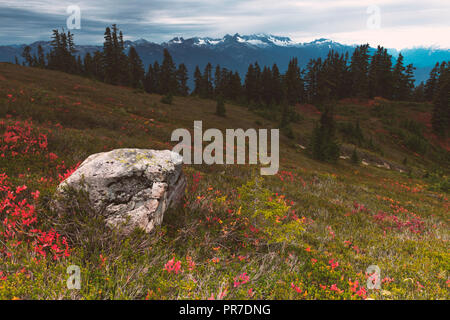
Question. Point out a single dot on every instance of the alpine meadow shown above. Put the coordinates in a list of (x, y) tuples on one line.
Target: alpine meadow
[(325, 169)]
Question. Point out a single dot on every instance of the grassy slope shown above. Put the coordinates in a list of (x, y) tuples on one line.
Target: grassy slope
[(212, 229)]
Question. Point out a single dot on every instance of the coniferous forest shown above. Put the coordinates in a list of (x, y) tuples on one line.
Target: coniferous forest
[(322, 82)]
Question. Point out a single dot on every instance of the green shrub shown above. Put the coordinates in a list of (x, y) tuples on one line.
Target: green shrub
[(269, 214)]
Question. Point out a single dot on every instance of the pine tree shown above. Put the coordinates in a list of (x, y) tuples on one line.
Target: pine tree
[(136, 69), (235, 87), (148, 80), (331, 77), (41, 58), (409, 81), (252, 86), (403, 80), (441, 111), (250, 82), (218, 82), (312, 80), (198, 80), (98, 66), (151, 81), (26, 55), (157, 77), (207, 82), (109, 61), (116, 66), (380, 74), (277, 87), (419, 93), (324, 145), (267, 88), (431, 84), (359, 68), (293, 83), (168, 77), (55, 55), (182, 78)]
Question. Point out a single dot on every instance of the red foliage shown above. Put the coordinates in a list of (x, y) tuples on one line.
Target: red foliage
[(18, 219)]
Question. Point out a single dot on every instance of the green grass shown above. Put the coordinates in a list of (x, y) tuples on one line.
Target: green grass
[(310, 232)]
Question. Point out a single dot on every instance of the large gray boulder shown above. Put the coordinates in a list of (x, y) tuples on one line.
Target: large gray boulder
[(129, 187)]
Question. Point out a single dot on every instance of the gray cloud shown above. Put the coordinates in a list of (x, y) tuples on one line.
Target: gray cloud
[(160, 20)]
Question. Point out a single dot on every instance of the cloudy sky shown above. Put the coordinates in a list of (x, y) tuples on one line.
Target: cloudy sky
[(391, 23)]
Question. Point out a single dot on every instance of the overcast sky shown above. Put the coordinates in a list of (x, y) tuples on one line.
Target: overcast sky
[(400, 23)]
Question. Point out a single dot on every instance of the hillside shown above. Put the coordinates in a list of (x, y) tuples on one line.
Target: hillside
[(325, 225)]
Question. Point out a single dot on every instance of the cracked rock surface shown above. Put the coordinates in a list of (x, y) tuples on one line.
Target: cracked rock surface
[(129, 187)]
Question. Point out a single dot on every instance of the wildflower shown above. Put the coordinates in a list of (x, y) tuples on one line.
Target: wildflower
[(244, 278), (333, 264), (298, 289), (362, 292), (171, 265), (336, 289), (20, 189)]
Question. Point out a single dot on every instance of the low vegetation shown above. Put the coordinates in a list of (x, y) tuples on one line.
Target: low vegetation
[(309, 232)]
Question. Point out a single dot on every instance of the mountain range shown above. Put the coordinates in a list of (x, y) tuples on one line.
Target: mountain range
[(236, 52)]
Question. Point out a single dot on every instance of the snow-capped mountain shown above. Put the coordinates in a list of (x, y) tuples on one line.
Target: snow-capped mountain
[(258, 40), (254, 40)]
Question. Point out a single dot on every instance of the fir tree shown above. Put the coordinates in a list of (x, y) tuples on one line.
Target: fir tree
[(267, 88), (168, 76), (207, 82), (293, 83), (324, 144), (359, 68), (26, 55), (198, 80), (380, 74), (182, 78), (109, 60), (403, 80), (41, 58), (276, 85), (431, 84), (136, 69), (441, 111)]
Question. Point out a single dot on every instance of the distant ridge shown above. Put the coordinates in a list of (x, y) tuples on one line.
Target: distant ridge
[(237, 51)]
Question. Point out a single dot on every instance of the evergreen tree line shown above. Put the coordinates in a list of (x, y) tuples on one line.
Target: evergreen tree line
[(111, 65), (325, 80), (335, 77), (437, 89)]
